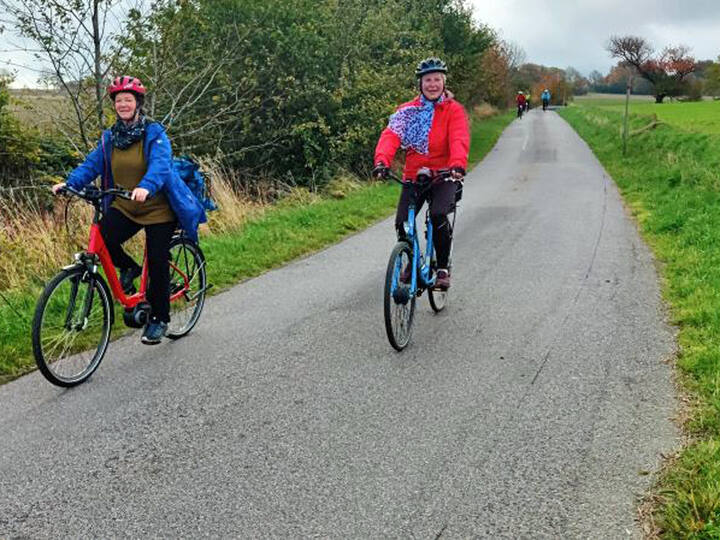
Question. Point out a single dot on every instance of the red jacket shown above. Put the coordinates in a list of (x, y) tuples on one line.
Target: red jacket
[(520, 99), (448, 145)]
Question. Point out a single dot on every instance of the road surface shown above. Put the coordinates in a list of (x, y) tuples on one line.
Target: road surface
[(532, 408)]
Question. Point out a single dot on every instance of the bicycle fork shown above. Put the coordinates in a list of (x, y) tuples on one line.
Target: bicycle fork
[(79, 321)]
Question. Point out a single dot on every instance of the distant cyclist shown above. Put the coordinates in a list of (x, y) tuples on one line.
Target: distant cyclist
[(135, 154), (433, 130), (521, 102), (545, 98)]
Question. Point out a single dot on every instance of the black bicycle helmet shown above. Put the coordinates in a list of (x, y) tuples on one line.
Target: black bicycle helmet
[(430, 65)]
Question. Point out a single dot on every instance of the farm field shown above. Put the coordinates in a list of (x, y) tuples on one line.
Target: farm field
[(36, 108), (696, 116)]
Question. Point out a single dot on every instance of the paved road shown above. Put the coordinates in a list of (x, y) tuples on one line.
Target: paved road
[(530, 409)]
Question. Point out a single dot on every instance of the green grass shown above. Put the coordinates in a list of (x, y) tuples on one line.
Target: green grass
[(281, 234), (695, 116), (671, 180), (610, 100)]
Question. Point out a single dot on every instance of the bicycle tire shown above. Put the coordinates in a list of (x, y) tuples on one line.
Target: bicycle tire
[(51, 307), (438, 299), (399, 337), (190, 260)]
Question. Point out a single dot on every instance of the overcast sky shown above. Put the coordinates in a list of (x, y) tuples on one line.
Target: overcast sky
[(564, 33), (558, 33)]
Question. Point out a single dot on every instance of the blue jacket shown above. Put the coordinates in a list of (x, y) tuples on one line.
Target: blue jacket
[(546, 95), (159, 176)]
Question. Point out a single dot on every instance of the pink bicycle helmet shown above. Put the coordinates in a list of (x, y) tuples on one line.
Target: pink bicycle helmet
[(126, 84)]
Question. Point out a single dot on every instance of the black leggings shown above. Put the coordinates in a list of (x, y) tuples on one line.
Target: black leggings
[(442, 202), (116, 229)]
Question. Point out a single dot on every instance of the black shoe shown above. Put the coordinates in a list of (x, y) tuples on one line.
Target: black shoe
[(127, 276), (154, 332)]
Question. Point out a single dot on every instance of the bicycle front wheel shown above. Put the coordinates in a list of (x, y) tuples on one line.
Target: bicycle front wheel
[(71, 327), (399, 298), (188, 286)]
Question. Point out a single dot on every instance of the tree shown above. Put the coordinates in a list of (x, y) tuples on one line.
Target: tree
[(577, 84), (712, 79), (495, 66), (514, 54), (295, 89), (667, 72), (75, 38), (596, 79)]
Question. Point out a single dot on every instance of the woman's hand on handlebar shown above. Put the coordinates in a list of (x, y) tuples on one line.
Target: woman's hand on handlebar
[(457, 173), (139, 194), (57, 187), (381, 170)]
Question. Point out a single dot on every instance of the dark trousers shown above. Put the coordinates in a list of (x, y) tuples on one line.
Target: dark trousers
[(442, 202), (116, 229)]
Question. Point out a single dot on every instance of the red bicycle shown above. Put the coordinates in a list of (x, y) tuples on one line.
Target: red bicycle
[(74, 315)]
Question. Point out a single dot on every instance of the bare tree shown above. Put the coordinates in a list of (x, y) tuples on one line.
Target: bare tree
[(75, 39), (193, 91), (514, 54), (667, 72)]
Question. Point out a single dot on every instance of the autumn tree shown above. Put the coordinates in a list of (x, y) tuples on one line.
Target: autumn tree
[(494, 69), (667, 71)]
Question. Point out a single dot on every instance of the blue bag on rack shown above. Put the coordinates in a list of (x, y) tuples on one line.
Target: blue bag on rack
[(190, 173)]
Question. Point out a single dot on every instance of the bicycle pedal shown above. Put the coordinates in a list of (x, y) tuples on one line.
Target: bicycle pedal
[(176, 288)]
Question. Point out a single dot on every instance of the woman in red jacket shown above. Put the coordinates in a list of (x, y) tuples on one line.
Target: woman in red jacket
[(433, 130)]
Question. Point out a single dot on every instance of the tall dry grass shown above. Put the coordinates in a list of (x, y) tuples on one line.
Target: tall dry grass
[(36, 241), (483, 111)]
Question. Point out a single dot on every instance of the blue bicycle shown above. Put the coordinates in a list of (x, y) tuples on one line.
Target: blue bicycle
[(410, 271)]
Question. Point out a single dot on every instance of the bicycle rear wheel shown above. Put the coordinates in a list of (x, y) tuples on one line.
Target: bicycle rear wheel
[(438, 299), (399, 298), (188, 286), (71, 327)]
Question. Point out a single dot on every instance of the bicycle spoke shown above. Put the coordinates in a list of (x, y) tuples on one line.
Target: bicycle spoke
[(71, 328), (188, 277)]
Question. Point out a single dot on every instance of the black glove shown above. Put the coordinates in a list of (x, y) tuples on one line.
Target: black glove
[(457, 173), (381, 170)]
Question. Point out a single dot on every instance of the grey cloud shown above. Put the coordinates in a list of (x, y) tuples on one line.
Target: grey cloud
[(573, 33)]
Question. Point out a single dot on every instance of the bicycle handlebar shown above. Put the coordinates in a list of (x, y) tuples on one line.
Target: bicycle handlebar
[(428, 179), (92, 193)]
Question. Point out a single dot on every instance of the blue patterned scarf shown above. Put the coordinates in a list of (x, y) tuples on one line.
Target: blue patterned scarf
[(124, 135), (412, 124)]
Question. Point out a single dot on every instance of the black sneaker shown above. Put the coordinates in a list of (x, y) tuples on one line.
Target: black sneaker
[(127, 276), (154, 332)]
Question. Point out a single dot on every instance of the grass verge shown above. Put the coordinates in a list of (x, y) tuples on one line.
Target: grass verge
[(269, 238), (670, 178)]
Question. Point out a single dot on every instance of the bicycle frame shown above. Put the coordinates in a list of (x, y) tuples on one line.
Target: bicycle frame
[(421, 262), (97, 252)]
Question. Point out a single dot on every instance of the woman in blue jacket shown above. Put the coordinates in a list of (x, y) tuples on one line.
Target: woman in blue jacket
[(135, 154)]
